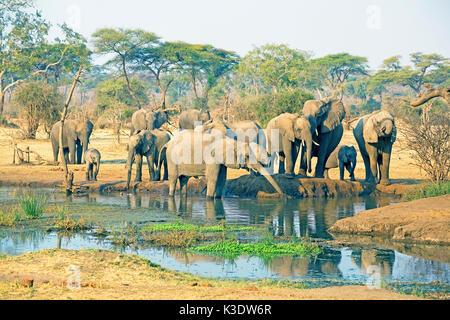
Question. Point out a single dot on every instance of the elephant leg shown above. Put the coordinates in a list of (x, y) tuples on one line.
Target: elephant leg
[(322, 155), (384, 168), (151, 168), (172, 185), (79, 151), (373, 163), (97, 168), (183, 185), (166, 172), (138, 168), (289, 151), (88, 171), (326, 175), (55, 147), (72, 152), (212, 176), (342, 167), (281, 165), (222, 178)]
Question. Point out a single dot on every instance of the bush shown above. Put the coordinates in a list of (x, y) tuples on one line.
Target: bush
[(429, 142), (428, 191), (32, 204), (265, 107)]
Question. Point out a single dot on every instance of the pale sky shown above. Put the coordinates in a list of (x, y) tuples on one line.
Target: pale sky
[(376, 29)]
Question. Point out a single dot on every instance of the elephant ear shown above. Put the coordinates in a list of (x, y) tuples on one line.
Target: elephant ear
[(147, 141), (285, 125), (369, 132), (334, 117)]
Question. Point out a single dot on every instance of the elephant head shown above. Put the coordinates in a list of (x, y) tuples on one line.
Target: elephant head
[(324, 114), (380, 124), (83, 130), (141, 142)]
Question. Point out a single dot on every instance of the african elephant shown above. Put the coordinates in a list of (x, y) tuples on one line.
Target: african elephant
[(194, 154), (75, 139), (93, 158), (325, 117), (293, 133), (146, 143), (189, 119), (344, 157), (149, 120), (375, 134)]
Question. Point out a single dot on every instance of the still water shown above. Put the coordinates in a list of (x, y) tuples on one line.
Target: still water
[(301, 218)]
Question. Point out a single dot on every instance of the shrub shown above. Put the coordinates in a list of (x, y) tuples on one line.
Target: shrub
[(32, 204), (428, 191), (429, 142), (9, 218)]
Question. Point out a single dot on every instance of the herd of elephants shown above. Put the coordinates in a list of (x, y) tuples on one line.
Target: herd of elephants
[(316, 131)]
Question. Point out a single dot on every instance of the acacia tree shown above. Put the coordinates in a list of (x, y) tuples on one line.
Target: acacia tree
[(335, 69), (204, 64), (123, 45)]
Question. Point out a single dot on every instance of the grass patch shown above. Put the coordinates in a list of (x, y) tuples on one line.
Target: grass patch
[(265, 249), (428, 191), (180, 226), (66, 222), (9, 217), (32, 204)]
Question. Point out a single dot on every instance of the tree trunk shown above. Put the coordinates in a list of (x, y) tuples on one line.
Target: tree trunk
[(2, 101)]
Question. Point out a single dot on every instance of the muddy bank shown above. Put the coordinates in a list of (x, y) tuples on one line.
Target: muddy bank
[(112, 276), (423, 220)]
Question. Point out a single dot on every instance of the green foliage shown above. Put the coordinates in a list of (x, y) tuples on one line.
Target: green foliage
[(265, 107), (40, 104), (428, 191), (265, 249), (32, 204), (179, 226), (9, 217), (66, 222)]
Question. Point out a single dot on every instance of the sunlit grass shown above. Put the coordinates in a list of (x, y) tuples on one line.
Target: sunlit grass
[(428, 191), (180, 226), (32, 204)]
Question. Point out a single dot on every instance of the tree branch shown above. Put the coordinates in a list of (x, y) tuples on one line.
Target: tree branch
[(431, 94)]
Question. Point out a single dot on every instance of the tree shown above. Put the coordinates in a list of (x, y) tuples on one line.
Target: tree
[(337, 68), (22, 32), (160, 61), (123, 44), (39, 102), (204, 64), (115, 102), (275, 66)]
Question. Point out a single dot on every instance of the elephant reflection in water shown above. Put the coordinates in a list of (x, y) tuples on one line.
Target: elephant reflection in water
[(380, 261), (214, 210), (287, 266)]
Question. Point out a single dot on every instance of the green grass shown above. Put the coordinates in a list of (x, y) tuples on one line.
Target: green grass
[(264, 249), (179, 226), (9, 217), (428, 191), (32, 204)]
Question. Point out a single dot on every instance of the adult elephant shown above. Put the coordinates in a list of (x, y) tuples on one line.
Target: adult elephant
[(286, 135), (325, 117), (194, 154), (76, 137), (189, 119), (146, 143), (375, 134), (149, 120)]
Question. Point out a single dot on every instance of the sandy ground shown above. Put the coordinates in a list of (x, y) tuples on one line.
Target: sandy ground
[(107, 275), (423, 220)]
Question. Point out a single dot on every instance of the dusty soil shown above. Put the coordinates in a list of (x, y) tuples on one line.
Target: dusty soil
[(109, 276), (423, 220)]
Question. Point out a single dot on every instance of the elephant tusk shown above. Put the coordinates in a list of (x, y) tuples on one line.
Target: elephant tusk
[(303, 144), (316, 143), (317, 132)]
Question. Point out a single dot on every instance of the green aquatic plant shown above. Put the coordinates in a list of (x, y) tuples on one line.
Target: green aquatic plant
[(65, 221), (428, 191), (265, 248), (180, 226), (32, 204), (9, 217)]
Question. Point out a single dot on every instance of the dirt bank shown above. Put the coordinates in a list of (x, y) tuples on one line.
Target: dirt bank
[(423, 220), (111, 276)]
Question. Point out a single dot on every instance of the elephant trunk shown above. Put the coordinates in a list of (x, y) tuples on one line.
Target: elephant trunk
[(309, 145), (85, 143), (129, 165)]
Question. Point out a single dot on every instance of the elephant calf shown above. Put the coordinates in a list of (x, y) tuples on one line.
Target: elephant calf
[(344, 157), (92, 157)]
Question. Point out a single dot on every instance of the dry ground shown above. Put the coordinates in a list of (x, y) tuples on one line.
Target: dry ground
[(111, 276)]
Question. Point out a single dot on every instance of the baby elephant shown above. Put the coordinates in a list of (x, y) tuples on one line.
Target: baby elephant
[(92, 157), (344, 157)]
